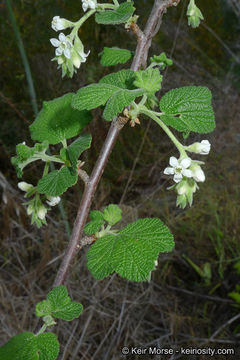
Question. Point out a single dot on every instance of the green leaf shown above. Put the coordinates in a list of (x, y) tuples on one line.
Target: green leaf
[(58, 121), (188, 109), (92, 96), (112, 214), (122, 79), (118, 101), (97, 220), (78, 147), (20, 347), (150, 80), (57, 182), (43, 308), (26, 155), (161, 60), (118, 16), (114, 56), (115, 89), (132, 252), (59, 305), (48, 346), (27, 346)]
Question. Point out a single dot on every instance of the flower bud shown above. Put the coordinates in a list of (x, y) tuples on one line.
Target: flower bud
[(53, 200), (198, 174), (41, 212), (30, 209), (60, 23), (25, 186), (202, 148)]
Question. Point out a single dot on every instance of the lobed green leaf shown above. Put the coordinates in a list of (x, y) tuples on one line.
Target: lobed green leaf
[(112, 214), (116, 89), (132, 252), (59, 305), (58, 121), (57, 182), (150, 80), (188, 109)]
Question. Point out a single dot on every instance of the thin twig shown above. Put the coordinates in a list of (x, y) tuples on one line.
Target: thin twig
[(140, 57), (229, 322)]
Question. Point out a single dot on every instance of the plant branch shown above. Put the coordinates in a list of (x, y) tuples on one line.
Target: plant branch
[(152, 27), (144, 43)]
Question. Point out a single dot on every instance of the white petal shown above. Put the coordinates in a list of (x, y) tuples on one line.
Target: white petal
[(177, 178), (55, 42), (59, 51), (67, 53), (62, 37), (186, 162), (188, 173), (173, 161), (169, 171)]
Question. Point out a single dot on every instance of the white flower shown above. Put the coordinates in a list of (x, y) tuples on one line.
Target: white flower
[(179, 168), (25, 186), (202, 148), (91, 4), (60, 23), (63, 46), (41, 212), (78, 55), (197, 173), (53, 200)]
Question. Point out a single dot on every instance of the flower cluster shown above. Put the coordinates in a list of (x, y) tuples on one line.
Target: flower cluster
[(35, 206), (194, 14), (69, 49), (187, 173)]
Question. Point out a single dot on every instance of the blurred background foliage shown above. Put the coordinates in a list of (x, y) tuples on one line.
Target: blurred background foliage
[(187, 302)]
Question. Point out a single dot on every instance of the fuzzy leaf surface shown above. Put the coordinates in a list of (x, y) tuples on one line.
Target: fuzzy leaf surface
[(188, 109), (132, 252), (92, 96), (48, 346), (57, 182), (150, 80), (118, 16), (114, 56), (58, 121), (116, 89), (112, 214), (27, 346), (78, 147), (97, 220), (22, 347), (59, 305)]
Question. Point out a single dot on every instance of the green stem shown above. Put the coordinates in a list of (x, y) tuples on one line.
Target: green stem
[(47, 158), (25, 62), (178, 145), (109, 6), (116, 3), (43, 328), (79, 23), (143, 100), (46, 168)]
